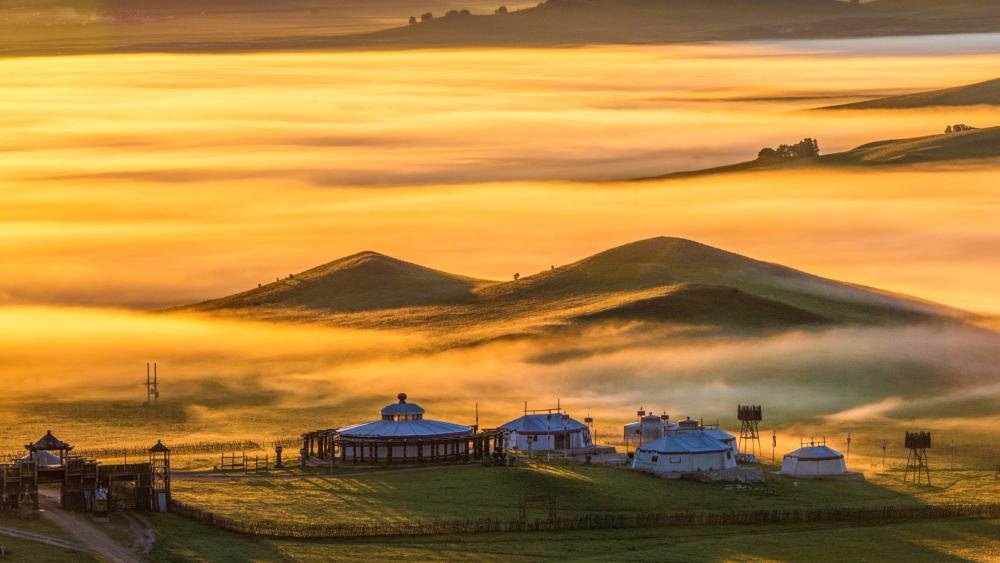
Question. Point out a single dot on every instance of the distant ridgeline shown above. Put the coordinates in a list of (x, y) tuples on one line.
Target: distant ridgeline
[(806, 148)]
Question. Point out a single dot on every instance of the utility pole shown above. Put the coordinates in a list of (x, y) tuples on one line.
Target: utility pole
[(848, 447), (885, 444), (152, 385)]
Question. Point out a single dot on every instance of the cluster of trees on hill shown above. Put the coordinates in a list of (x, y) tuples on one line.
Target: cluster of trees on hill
[(958, 128), (452, 13), (449, 14), (805, 148)]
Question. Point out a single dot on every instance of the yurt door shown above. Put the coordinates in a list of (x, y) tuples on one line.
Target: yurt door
[(562, 442)]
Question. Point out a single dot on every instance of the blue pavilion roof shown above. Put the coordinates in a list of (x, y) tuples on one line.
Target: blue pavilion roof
[(422, 428)]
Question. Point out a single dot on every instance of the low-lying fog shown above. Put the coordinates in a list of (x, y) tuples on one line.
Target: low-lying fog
[(233, 378)]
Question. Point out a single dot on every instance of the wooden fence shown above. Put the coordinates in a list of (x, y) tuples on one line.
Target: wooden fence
[(143, 451), (879, 514)]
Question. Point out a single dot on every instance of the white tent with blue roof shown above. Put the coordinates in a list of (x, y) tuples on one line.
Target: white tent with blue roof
[(813, 460), (547, 429), (684, 452)]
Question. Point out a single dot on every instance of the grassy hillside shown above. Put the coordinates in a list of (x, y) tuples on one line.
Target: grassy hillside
[(363, 281), (965, 145), (663, 280), (934, 541), (708, 305), (971, 145), (982, 93), (563, 22), (439, 493), (76, 26)]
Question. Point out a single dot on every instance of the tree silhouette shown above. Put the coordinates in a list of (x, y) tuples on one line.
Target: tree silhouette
[(517, 276), (413, 20), (426, 17), (501, 10), (806, 148)]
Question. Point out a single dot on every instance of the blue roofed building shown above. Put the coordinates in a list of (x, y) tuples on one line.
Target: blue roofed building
[(684, 452), (402, 434), (690, 425), (545, 430)]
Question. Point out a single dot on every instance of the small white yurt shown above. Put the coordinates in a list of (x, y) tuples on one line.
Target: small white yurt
[(547, 431), (813, 461), (683, 452)]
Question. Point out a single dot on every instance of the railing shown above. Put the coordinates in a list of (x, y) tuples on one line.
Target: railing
[(267, 528)]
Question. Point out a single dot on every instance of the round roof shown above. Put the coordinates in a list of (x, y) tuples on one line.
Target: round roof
[(412, 426), (402, 407), (815, 453), (422, 428)]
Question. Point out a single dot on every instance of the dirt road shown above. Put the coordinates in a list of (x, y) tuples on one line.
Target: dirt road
[(86, 532)]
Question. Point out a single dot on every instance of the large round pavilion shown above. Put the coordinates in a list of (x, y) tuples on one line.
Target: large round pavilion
[(403, 434), (813, 461), (548, 430)]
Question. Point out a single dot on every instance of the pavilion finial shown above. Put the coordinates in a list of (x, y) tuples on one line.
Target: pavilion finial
[(401, 397)]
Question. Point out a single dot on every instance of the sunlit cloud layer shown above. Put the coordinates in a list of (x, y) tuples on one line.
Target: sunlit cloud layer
[(153, 180)]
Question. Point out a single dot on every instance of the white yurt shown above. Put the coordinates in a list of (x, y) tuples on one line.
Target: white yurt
[(813, 461), (547, 431), (683, 452), (689, 425), (399, 434)]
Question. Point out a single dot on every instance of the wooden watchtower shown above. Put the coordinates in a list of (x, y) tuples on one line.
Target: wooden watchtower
[(749, 417), (916, 463), (159, 467)]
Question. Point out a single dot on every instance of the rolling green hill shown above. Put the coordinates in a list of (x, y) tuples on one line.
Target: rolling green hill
[(363, 281), (981, 93), (570, 22), (252, 25), (977, 144), (659, 280)]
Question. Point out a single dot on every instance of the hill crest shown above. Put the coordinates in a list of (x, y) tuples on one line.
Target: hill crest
[(661, 279), (980, 93)]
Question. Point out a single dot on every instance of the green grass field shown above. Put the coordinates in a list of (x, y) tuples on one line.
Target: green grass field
[(471, 492), (466, 492), (931, 541)]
